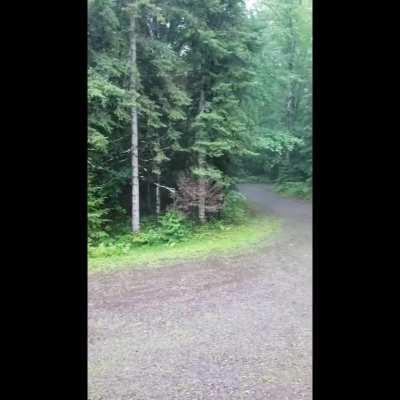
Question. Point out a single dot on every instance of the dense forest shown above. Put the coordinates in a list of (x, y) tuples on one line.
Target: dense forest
[(187, 97)]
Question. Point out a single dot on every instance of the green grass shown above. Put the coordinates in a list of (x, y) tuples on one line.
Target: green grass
[(253, 179), (297, 190), (207, 241)]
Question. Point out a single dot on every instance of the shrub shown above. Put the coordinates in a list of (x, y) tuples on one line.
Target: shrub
[(253, 179), (302, 190), (96, 216), (235, 209), (174, 227), (103, 250), (149, 236)]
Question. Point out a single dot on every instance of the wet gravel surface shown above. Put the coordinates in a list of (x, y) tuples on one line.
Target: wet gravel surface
[(223, 328)]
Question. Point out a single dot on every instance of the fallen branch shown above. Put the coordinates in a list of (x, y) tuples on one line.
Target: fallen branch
[(172, 190)]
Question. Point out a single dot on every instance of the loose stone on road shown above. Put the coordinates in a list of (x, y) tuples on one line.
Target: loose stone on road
[(223, 328)]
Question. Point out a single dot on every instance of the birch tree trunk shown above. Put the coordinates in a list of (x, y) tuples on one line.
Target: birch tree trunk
[(134, 128), (290, 108), (158, 200), (291, 61), (149, 191), (201, 162)]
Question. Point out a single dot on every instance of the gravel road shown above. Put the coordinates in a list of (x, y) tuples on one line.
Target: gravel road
[(236, 327)]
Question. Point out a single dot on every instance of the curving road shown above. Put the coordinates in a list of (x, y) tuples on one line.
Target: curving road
[(236, 328)]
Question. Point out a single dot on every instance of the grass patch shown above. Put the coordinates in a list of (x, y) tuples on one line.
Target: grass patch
[(212, 239), (253, 179), (297, 190)]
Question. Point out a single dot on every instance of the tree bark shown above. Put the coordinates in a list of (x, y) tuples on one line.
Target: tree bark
[(201, 163), (290, 108), (158, 199), (291, 61), (134, 129), (149, 191)]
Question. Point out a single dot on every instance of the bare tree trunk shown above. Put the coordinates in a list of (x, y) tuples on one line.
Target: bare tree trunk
[(291, 99), (158, 200), (149, 202), (291, 95), (134, 130), (201, 162)]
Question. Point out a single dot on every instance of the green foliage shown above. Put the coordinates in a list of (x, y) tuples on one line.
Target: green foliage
[(148, 236), (173, 227), (253, 179), (279, 104), (301, 190), (254, 73), (96, 215), (279, 143), (235, 209), (211, 239)]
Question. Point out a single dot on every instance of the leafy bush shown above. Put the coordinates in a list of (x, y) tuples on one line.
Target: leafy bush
[(253, 179), (174, 227), (235, 208), (302, 190), (149, 236), (96, 215), (108, 249)]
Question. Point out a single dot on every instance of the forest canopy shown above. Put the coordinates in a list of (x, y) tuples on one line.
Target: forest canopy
[(185, 97)]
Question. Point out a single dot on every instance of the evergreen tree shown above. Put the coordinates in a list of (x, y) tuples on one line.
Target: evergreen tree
[(199, 89)]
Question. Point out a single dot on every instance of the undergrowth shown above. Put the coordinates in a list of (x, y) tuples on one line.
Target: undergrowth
[(301, 190), (174, 237), (253, 179)]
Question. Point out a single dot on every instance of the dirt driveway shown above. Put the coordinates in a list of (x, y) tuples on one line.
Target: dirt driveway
[(224, 328)]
